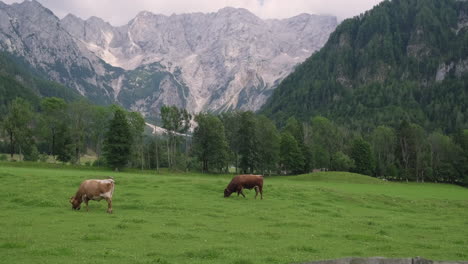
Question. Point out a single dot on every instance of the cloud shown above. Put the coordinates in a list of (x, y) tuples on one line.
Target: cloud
[(119, 12)]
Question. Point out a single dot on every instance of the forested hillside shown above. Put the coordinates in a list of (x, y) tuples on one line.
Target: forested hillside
[(18, 79), (403, 60)]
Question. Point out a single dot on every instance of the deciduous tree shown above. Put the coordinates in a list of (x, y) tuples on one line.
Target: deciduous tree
[(52, 118), (17, 124), (291, 158), (268, 145), (248, 143), (176, 121), (209, 142), (362, 155)]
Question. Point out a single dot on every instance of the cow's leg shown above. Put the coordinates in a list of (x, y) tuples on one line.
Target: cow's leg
[(260, 188), (256, 192), (240, 191), (86, 200), (109, 205)]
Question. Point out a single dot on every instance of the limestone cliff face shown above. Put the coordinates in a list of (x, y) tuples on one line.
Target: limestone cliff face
[(219, 61), (33, 32)]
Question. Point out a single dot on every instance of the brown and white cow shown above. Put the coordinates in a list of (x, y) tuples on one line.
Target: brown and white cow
[(245, 182), (93, 190)]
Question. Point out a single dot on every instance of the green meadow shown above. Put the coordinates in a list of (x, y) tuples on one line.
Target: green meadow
[(183, 218)]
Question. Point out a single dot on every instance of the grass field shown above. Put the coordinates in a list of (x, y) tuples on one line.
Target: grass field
[(183, 218)]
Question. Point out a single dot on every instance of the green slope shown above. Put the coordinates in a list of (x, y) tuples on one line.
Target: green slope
[(18, 79), (381, 67)]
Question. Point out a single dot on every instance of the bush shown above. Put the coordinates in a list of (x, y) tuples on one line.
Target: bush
[(31, 153), (193, 164), (342, 162), (43, 158), (3, 157), (392, 170), (65, 153)]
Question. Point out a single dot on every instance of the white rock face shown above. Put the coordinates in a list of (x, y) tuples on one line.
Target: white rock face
[(230, 59), (460, 68), (219, 61), (34, 34)]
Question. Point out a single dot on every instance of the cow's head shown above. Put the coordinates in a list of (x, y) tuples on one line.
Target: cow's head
[(227, 193), (76, 203)]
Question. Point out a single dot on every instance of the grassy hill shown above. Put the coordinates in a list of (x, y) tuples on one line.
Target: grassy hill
[(183, 218)]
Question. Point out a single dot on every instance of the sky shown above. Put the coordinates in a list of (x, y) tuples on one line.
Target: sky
[(119, 12)]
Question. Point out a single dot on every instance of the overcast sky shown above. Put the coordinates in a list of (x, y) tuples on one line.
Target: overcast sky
[(119, 12)]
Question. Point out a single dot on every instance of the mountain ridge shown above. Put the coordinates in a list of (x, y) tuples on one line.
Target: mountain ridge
[(219, 61)]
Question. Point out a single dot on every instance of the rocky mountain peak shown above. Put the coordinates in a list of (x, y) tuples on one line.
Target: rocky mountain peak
[(233, 11), (144, 14), (72, 17), (229, 59), (96, 21), (32, 7)]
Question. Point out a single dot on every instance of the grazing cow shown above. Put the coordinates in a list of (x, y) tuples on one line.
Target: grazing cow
[(94, 190), (245, 182)]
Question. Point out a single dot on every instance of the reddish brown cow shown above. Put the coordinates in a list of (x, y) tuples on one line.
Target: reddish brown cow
[(245, 182), (93, 190)]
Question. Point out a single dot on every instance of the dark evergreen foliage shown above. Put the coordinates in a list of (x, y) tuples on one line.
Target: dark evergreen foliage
[(118, 141), (380, 68)]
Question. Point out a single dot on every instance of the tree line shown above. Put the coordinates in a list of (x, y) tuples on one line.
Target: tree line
[(60, 129), (241, 142), (253, 144)]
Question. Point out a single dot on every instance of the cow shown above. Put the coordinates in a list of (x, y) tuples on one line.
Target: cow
[(245, 182), (93, 190)]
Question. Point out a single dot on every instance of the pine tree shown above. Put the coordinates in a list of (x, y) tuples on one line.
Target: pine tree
[(117, 144)]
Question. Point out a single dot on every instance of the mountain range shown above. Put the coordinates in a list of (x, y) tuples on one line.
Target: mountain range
[(221, 61)]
